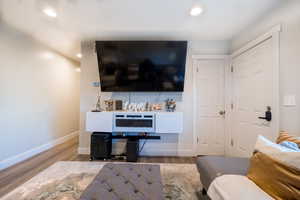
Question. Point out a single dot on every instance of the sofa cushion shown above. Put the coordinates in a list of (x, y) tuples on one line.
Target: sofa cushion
[(211, 167), (236, 187)]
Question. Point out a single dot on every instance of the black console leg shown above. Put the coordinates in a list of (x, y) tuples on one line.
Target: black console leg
[(91, 158), (204, 192), (132, 150)]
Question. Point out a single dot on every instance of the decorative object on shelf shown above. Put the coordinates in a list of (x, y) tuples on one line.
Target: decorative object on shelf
[(126, 105), (156, 107), (98, 105), (118, 105), (170, 105), (132, 107), (147, 107), (109, 105), (140, 107)]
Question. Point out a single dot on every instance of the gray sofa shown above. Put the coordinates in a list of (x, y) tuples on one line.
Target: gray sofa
[(211, 167)]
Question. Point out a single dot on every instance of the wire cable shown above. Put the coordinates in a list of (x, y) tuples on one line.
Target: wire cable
[(144, 143)]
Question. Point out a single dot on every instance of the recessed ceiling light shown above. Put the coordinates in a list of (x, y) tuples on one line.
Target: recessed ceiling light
[(195, 11), (50, 12), (79, 55)]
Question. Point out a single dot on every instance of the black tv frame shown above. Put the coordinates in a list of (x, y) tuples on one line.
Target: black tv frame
[(174, 42)]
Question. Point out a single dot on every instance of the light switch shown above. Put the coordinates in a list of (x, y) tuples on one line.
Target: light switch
[(289, 100)]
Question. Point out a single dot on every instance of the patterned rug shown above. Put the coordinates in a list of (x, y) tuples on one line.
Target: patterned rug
[(67, 180)]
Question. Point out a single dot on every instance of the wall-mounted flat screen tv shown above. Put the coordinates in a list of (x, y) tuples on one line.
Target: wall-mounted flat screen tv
[(141, 66)]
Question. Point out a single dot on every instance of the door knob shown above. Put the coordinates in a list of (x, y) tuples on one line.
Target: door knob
[(268, 114), (222, 112)]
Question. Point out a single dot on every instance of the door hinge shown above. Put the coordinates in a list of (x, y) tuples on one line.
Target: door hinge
[(232, 106), (197, 69), (231, 142), (231, 68), (197, 140)]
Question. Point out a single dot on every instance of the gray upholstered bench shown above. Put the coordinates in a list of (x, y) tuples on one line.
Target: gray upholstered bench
[(126, 182), (211, 167)]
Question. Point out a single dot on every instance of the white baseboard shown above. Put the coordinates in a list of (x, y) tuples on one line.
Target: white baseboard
[(156, 152), (83, 150), (186, 153), (168, 152), (32, 152)]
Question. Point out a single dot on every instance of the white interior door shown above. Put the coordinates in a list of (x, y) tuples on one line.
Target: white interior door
[(253, 90), (209, 101)]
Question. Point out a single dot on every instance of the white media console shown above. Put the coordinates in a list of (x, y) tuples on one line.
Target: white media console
[(150, 122)]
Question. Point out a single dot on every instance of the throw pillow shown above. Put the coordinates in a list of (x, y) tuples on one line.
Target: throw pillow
[(285, 136), (275, 169), (290, 145)]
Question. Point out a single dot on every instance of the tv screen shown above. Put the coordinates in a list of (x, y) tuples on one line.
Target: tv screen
[(141, 66)]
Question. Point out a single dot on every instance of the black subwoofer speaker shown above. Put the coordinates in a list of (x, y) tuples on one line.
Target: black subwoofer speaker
[(101, 144), (132, 148)]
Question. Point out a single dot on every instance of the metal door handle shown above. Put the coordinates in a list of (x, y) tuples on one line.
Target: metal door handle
[(268, 115), (222, 112)]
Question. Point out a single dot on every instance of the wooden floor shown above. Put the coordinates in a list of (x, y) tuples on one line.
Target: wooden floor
[(16, 175)]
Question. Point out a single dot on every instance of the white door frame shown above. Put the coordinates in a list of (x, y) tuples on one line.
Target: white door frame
[(226, 59), (274, 35)]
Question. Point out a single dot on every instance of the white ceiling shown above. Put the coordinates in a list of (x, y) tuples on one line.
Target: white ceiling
[(131, 19)]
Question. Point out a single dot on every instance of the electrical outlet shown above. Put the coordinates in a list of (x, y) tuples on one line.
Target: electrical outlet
[(96, 84)]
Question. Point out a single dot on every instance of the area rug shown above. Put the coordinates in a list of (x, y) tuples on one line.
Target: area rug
[(67, 180)]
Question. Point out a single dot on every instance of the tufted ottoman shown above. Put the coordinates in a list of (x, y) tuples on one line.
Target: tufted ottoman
[(126, 182)]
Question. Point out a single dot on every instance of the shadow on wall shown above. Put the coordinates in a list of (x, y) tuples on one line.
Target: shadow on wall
[(151, 97)]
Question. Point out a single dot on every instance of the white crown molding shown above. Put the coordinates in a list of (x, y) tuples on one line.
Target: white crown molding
[(276, 29), (210, 57)]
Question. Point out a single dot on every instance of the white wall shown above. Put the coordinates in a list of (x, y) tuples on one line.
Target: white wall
[(39, 96), (289, 17), (172, 144)]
